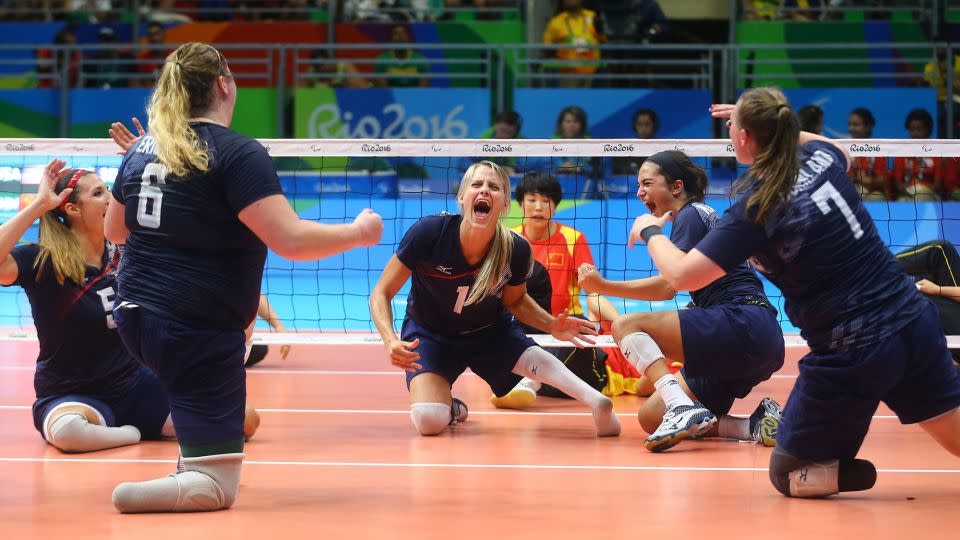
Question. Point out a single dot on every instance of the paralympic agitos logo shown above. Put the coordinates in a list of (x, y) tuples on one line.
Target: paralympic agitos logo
[(375, 148), (498, 148), (618, 148)]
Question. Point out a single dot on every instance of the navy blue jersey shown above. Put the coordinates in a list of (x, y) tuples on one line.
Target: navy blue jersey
[(843, 288), (188, 257), (740, 285), (441, 277), (80, 351)]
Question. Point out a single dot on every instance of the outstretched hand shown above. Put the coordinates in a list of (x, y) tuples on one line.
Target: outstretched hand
[(644, 221), (722, 110), (47, 198), (574, 330), (369, 227), (124, 137)]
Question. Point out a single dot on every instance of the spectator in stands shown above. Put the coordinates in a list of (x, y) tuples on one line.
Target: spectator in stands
[(323, 71), (406, 65), (150, 58), (645, 125), (111, 67), (388, 10), (918, 178), (571, 124), (577, 27), (651, 22), (506, 125), (811, 119), (48, 61), (162, 11), (935, 74), (870, 174), (90, 11)]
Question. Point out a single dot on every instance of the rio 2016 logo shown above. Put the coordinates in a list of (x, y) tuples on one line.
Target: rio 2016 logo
[(327, 121)]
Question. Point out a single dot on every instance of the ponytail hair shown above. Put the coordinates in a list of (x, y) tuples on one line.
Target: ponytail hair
[(495, 263), (184, 90), (765, 113), (675, 165), (57, 242)]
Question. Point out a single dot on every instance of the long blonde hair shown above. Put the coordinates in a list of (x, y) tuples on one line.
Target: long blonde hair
[(184, 90), (765, 113), (57, 242), (497, 260)]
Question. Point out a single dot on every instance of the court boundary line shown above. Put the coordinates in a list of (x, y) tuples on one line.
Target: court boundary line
[(407, 411), (375, 464)]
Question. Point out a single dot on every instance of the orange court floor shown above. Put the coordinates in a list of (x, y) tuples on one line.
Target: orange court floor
[(336, 456)]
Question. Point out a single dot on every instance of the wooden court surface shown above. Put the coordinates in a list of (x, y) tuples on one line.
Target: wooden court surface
[(337, 457)]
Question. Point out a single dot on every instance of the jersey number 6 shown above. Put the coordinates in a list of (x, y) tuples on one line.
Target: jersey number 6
[(148, 206)]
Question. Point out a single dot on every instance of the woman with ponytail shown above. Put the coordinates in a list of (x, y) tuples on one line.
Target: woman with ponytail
[(872, 336), (197, 205), (91, 393), (469, 275), (721, 362)]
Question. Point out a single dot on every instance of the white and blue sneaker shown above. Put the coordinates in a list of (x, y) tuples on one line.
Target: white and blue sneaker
[(765, 422), (458, 412), (679, 423)]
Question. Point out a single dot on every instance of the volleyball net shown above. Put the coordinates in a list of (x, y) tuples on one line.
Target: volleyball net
[(330, 181)]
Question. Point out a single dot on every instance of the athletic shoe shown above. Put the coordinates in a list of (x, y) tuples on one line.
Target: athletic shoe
[(458, 412), (521, 397), (180, 468), (255, 354), (679, 423), (765, 422)]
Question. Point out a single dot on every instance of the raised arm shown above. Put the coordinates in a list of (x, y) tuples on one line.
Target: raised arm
[(395, 274), (682, 271), (13, 229), (651, 288), (273, 220)]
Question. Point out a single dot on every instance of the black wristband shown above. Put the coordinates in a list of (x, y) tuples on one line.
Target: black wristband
[(649, 232)]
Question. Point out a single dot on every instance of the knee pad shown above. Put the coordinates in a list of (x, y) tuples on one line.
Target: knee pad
[(796, 477), (77, 428), (208, 483), (255, 353), (640, 350), (430, 418)]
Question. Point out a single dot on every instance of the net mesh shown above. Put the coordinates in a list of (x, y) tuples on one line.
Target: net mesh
[(403, 180)]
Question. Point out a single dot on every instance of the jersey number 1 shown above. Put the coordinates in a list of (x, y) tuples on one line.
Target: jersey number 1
[(461, 298), (827, 192), (148, 207)]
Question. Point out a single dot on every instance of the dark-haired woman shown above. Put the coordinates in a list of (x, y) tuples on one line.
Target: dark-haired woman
[(728, 343), (872, 335)]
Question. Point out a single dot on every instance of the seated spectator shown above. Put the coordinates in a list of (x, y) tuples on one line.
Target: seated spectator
[(918, 178), (150, 59), (323, 71), (811, 119), (645, 125), (48, 61), (574, 25), (870, 174), (162, 11), (934, 266), (651, 22), (572, 124), (506, 125), (108, 68), (404, 63)]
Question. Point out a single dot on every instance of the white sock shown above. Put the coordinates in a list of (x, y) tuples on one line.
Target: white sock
[(734, 427), (671, 392), (544, 367)]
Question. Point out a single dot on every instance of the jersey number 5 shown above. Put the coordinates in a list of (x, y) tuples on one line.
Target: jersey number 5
[(826, 193), (148, 207)]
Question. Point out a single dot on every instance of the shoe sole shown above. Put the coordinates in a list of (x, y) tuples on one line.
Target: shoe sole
[(515, 399), (666, 443), (767, 435)]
